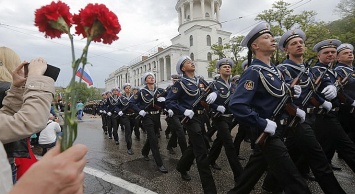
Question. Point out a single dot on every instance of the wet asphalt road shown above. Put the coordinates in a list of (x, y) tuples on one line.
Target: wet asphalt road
[(113, 161)]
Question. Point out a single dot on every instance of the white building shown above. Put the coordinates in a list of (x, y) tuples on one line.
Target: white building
[(199, 28)]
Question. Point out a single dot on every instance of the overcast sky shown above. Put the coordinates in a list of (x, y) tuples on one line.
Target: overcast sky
[(145, 25)]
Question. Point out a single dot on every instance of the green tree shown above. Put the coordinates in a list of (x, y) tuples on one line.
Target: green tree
[(281, 19), (233, 49)]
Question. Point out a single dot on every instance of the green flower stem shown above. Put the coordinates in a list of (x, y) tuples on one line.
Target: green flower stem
[(70, 128)]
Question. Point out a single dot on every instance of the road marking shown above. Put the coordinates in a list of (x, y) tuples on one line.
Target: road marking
[(118, 181)]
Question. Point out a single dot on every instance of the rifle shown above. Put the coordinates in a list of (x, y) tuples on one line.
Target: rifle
[(340, 83), (197, 101), (317, 83), (283, 105), (218, 114), (152, 103)]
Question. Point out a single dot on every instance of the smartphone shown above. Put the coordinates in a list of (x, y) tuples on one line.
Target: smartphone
[(26, 69)]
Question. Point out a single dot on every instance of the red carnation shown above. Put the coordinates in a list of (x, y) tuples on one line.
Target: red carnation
[(54, 19), (97, 22)]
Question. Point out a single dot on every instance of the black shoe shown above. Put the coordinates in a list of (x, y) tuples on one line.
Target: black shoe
[(146, 158), (216, 167), (309, 177), (171, 151), (185, 176), (247, 140), (117, 143), (163, 169), (130, 152), (106, 133), (110, 137), (335, 167), (241, 158)]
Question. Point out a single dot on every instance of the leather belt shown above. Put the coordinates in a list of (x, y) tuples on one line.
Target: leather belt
[(310, 110), (227, 115), (153, 112), (336, 109), (200, 112)]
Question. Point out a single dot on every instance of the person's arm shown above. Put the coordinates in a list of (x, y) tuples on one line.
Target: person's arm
[(55, 173), (37, 98)]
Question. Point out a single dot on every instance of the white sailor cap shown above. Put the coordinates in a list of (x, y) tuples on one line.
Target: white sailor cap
[(245, 64), (103, 93), (125, 85), (224, 61), (175, 77), (115, 88), (217, 76), (180, 62), (108, 91), (345, 46), (289, 35), (257, 31), (330, 43), (235, 78), (145, 75)]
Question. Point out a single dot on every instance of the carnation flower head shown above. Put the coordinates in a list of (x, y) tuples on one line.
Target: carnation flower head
[(53, 19), (97, 22)]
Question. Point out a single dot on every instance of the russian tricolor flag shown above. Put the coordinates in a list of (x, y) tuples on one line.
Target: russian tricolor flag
[(85, 75)]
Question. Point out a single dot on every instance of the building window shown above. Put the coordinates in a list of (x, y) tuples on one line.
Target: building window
[(188, 18), (209, 56), (219, 40), (192, 56), (207, 15), (191, 40), (209, 74), (208, 40)]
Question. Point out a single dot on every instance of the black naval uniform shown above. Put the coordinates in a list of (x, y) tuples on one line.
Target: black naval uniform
[(102, 112), (114, 120), (177, 130), (258, 93), (301, 139), (328, 129), (346, 113), (150, 120), (183, 94), (128, 118), (223, 124)]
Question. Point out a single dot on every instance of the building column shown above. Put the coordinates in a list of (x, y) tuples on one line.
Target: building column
[(179, 13), (218, 11), (191, 9), (183, 14), (165, 72), (212, 9), (203, 9)]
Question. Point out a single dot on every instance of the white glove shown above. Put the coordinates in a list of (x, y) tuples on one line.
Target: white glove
[(221, 109), (301, 114), (104, 111), (189, 113), (353, 104), (211, 97), (170, 113), (270, 127), (142, 113), (327, 105), (120, 113), (100, 111), (297, 91), (109, 113), (161, 99), (330, 92)]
